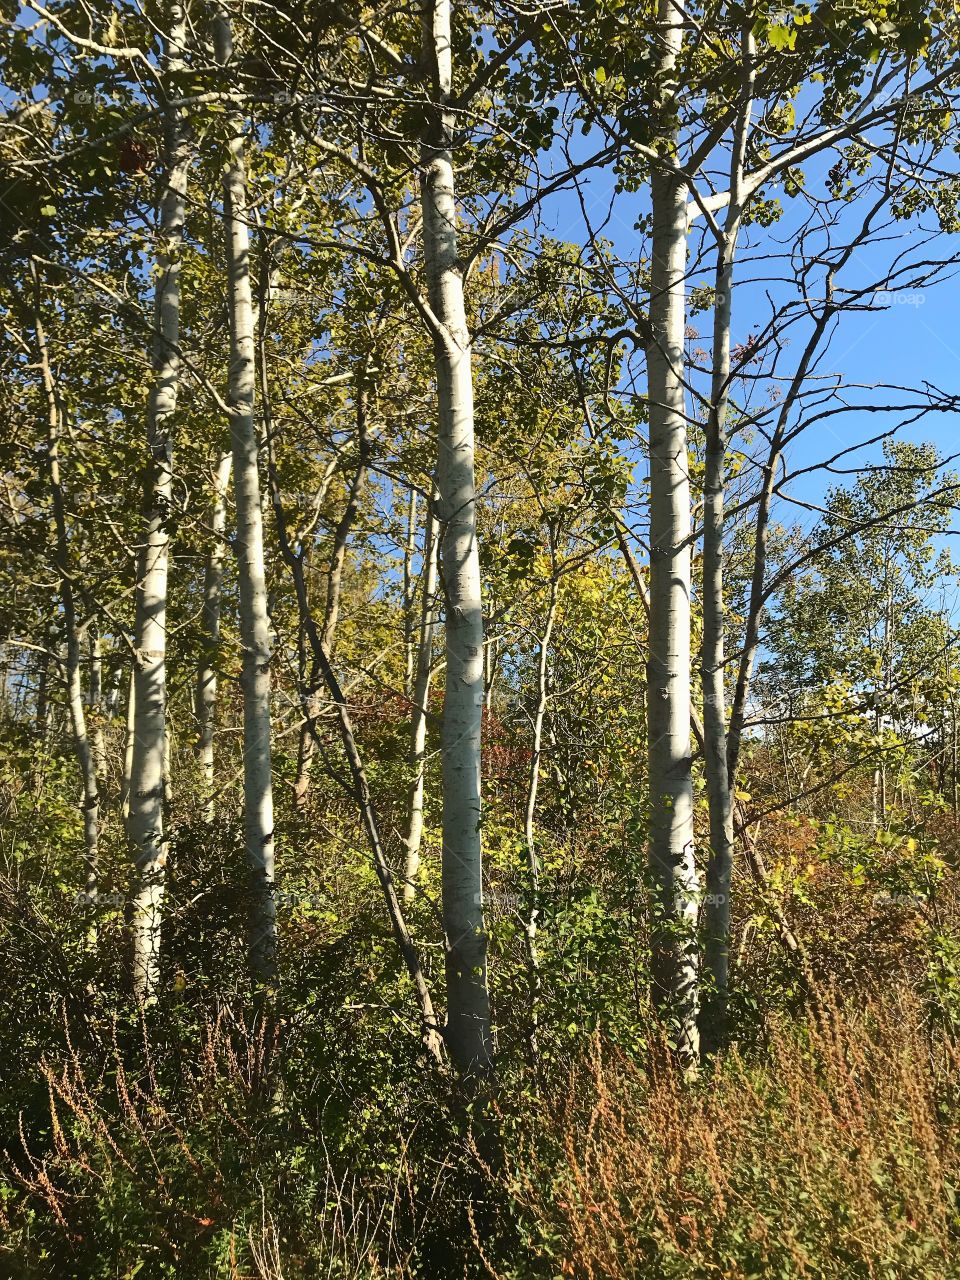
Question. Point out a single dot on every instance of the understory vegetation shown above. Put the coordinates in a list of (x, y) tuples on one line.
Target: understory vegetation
[(195, 1140)]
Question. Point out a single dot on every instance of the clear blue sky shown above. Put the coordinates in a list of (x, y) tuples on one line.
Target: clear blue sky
[(915, 340)]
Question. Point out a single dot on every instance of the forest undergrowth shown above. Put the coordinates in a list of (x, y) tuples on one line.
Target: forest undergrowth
[(201, 1140)]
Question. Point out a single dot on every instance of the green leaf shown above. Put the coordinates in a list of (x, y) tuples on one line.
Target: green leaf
[(782, 37)]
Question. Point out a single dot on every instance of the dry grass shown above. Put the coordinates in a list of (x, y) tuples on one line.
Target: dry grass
[(835, 1157), (833, 1154)]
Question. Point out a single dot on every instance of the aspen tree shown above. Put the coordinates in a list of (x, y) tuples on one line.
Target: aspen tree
[(145, 797), (419, 697), (255, 635), (468, 1030), (206, 696), (672, 866)]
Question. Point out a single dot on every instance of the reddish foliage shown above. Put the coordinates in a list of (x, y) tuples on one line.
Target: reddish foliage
[(134, 156)]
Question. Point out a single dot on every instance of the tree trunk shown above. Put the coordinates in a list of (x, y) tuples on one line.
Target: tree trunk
[(145, 798), (255, 637), (716, 954), (129, 730), (206, 699), (529, 817), (112, 701), (468, 1029), (98, 744), (671, 853), (420, 696), (409, 597), (78, 724)]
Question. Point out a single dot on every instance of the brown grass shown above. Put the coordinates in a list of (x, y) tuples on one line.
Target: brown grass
[(835, 1157)]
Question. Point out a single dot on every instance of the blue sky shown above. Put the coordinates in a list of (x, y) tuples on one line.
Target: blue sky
[(912, 341)]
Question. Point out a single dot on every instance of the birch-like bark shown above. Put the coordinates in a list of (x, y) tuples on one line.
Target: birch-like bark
[(468, 1030), (409, 597), (74, 650), (423, 672), (717, 904), (129, 731), (529, 816), (98, 744), (206, 697), (671, 854), (255, 634), (207, 690), (146, 792)]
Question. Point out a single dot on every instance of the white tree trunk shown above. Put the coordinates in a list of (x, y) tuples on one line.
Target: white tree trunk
[(95, 704), (78, 724), (530, 814), (716, 916), (206, 699), (420, 695), (409, 597), (255, 633), (672, 867), (468, 1029), (129, 730), (145, 798)]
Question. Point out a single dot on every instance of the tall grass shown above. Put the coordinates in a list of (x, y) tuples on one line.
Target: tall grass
[(830, 1153), (834, 1154)]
